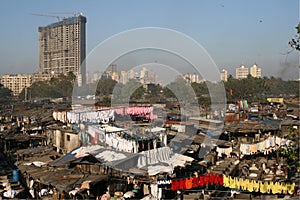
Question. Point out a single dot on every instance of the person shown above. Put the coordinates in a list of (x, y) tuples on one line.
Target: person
[(105, 196), (54, 195), (179, 195), (9, 193), (43, 192), (31, 188), (36, 188)]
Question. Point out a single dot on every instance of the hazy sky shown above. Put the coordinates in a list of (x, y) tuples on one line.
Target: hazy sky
[(233, 32)]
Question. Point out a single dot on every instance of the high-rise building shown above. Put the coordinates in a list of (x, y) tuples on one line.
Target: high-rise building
[(112, 68), (144, 73), (241, 72), (152, 77), (123, 77), (88, 77), (131, 74), (191, 78), (255, 71), (62, 47), (224, 75), (96, 76), (16, 83), (115, 76)]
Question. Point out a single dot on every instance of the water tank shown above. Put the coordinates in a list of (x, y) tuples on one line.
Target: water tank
[(15, 175)]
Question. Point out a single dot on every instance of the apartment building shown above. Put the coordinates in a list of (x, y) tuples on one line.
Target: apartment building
[(224, 75), (16, 83), (36, 77), (191, 78), (255, 71), (241, 72), (62, 47)]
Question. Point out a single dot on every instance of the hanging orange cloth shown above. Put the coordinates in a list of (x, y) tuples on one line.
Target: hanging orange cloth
[(188, 183)]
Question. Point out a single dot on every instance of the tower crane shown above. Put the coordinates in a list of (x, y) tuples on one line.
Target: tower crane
[(75, 13), (46, 15)]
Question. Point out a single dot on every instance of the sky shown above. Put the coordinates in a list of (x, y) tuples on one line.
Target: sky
[(232, 32)]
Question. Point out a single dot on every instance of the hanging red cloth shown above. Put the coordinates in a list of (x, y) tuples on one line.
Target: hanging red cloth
[(202, 181), (175, 185), (195, 182), (188, 183), (182, 184)]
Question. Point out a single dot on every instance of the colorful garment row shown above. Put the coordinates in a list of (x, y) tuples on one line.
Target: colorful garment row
[(265, 146), (101, 116), (258, 186), (267, 187), (243, 104), (194, 182), (134, 110), (225, 151), (164, 182)]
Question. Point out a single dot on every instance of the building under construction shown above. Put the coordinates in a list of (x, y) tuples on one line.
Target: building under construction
[(62, 47)]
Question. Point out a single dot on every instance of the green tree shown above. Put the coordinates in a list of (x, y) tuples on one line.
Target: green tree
[(138, 93), (295, 42), (181, 90), (153, 92), (105, 87), (62, 86), (132, 90), (200, 89), (5, 92)]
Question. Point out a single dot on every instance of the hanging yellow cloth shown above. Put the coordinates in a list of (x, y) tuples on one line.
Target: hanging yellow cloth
[(250, 186), (271, 188), (255, 186), (264, 187), (225, 181), (244, 184), (231, 183), (284, 188), (275, 188), (268, 186), (291, 188), (236, 183)]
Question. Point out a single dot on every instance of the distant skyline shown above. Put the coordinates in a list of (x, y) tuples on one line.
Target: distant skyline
[(234, 33)]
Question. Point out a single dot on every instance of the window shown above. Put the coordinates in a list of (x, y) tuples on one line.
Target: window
[(68, 138)]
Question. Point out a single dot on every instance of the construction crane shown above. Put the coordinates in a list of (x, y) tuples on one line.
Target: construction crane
[(75, 13), (46, 15)]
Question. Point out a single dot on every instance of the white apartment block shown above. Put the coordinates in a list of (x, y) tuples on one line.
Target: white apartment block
[(191, 78), (241, 72), (115, 76), (16, 83), (255, 71), (123, 77), (224, 75)]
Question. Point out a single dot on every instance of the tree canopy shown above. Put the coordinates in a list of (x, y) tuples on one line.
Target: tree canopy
[(295, 42), (250, 88), (4, 92), (61, 86)]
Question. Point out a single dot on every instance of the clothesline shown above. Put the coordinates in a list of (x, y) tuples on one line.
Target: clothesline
[(121, 140), (103, 115), (266, 146), (134, 110), (268, 187)]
